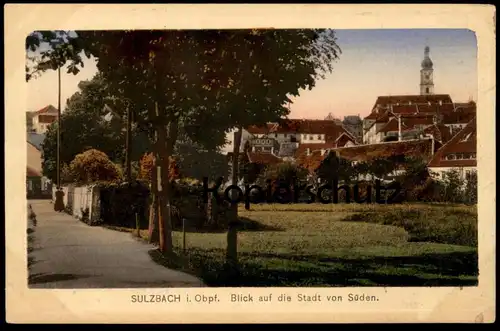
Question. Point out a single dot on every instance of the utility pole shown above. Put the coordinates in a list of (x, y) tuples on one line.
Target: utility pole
[(59, 202), (59, 128)]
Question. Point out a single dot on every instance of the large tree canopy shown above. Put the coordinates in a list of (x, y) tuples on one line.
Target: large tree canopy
[(85, 124), (202, 82)]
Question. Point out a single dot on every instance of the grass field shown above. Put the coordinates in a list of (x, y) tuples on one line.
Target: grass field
[(341, 245)]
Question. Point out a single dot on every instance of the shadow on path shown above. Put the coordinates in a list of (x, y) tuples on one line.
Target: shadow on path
[(49, 278)]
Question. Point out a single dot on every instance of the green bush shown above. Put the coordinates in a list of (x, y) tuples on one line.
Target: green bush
[(188, 204), (471, 187), (120, 203), (285, 173)]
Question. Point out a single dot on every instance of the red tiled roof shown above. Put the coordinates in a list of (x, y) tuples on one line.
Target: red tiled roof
[(343, 139), (441, 132), (385, 117), (311, 162), (436, 108), (421, 147), (362, 153), (461, 115), (408, 122), (411, 121), (313, 147), (455, 145), (262, 129), (404, 109), (406, 99), (47, 109), (30, 172), (372, 116), (465, 104), (329, 128), (392, 125), (263, 158)]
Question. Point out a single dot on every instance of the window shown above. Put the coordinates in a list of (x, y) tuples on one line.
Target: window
[(472, 155), (426, 90), (275, 135), (450, 157), (285, 135), (311, 137)]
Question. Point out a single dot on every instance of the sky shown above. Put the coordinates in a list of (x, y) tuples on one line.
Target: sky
[(372, 63)]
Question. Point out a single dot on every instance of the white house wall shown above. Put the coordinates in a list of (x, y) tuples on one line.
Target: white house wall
[(309, 138)]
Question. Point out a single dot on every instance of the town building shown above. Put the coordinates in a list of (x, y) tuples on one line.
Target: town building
[(290, 136), (354, 125), (36, 184), (459, 153), (404, 117), (39, 121), (419, 148), (284, 141)]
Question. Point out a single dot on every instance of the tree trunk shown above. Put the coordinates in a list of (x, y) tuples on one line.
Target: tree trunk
[(232, 234), (128, 146), (153, 209), (166, 141)]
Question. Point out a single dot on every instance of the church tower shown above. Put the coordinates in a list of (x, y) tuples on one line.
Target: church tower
[(426, 79)]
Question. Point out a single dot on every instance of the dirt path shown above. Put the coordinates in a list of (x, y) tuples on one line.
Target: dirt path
[(70, 254)]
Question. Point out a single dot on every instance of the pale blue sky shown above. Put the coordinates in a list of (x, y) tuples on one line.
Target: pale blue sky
[(372, 63)]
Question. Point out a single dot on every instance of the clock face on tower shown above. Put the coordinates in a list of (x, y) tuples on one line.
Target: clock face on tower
[(426, 77)]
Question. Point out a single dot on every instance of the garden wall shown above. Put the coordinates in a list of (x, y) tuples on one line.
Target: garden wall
[(83, 202)]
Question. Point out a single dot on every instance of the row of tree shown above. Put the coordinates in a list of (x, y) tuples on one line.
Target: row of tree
[(88, 122), (417, 182), (202, 83)]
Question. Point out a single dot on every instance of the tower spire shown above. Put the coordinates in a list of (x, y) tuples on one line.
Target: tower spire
[(426, 79)]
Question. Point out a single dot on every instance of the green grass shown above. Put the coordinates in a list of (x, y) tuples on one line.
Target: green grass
[(340, 245)]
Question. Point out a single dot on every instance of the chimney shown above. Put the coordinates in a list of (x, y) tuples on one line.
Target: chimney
[(322, 152), (308, 151)]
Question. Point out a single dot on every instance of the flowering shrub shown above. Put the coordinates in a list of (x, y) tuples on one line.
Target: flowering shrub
[(146, 166), (93, 166)]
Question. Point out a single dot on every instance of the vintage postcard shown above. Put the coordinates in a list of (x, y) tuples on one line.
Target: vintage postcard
[(250, 163)]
